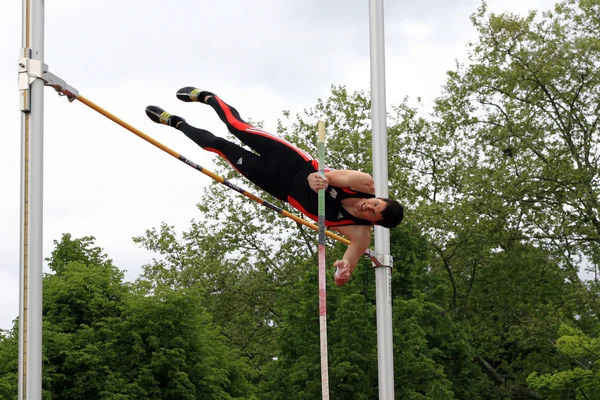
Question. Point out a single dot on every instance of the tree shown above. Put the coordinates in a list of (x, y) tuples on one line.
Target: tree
[(528, 104), (9, 348), (81, 250), (105, 339), (512, 164), (580, 382)]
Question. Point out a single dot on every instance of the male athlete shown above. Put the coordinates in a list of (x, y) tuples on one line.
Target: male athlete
[(291, 175)]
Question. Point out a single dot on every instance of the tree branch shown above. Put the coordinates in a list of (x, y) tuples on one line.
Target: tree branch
[(518, 392)]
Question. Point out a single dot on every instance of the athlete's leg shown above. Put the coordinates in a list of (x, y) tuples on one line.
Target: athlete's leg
[(271, 147), (254, 167), (264, 143), (250, 165)]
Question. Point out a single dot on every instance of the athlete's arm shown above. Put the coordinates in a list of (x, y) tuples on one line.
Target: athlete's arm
[(356, 180), (360, 239)]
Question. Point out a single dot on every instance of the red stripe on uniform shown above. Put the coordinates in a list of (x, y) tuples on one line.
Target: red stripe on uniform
[(315, 164), (294, 203), (242, 126)]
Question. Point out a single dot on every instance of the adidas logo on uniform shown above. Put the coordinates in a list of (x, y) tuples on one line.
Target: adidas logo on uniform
[(340, 216), (239, 162)]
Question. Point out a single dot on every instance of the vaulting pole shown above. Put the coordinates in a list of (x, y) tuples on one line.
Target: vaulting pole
[(32, 168), (383, 274), (322, 269)]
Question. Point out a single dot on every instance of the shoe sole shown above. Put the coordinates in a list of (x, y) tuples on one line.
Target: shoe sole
[(162, 118), (191, 96)]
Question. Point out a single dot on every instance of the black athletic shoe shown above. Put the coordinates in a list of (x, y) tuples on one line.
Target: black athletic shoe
[(191, 94), (160, 116)]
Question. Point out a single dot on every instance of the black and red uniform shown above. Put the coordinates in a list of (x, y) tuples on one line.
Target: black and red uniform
[(278, 167)]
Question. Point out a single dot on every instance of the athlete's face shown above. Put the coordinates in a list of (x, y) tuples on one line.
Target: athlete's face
[(370, 209)]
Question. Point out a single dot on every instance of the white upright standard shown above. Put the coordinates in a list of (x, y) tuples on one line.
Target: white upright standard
[(383, 275), (31, 63)]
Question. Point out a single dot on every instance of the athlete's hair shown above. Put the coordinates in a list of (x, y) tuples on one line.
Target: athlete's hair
[(392, 215)]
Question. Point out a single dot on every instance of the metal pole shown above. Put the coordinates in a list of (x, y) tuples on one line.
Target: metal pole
[(322, 270), (31, 257), (383, 275)]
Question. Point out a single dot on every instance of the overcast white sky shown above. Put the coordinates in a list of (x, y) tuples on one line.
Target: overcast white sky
[(262, 56)]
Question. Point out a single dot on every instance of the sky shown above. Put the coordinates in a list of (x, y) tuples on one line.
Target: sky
[(261, 56)]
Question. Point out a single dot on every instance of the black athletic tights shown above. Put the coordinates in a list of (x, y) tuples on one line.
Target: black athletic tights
[(275, 158)]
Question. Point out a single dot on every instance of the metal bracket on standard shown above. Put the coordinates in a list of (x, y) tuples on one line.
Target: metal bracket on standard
[(380, 260), (30, 70), (60, 86)]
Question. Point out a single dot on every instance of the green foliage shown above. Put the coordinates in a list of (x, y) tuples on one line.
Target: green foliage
[(104, 339), (433, 358), (237, 288), (418, 374), (511, 162), (81, 250), (9, 348), (526, 106), (351, 341), (582, 381)]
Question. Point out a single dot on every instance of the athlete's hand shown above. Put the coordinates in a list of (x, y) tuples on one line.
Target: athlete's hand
[(317, 182), (343, 273)]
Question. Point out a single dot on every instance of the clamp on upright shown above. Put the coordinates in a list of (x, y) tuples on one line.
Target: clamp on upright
[(380, 260), (31, 69)]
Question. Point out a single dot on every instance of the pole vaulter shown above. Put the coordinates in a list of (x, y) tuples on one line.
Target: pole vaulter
[(72, 94)]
